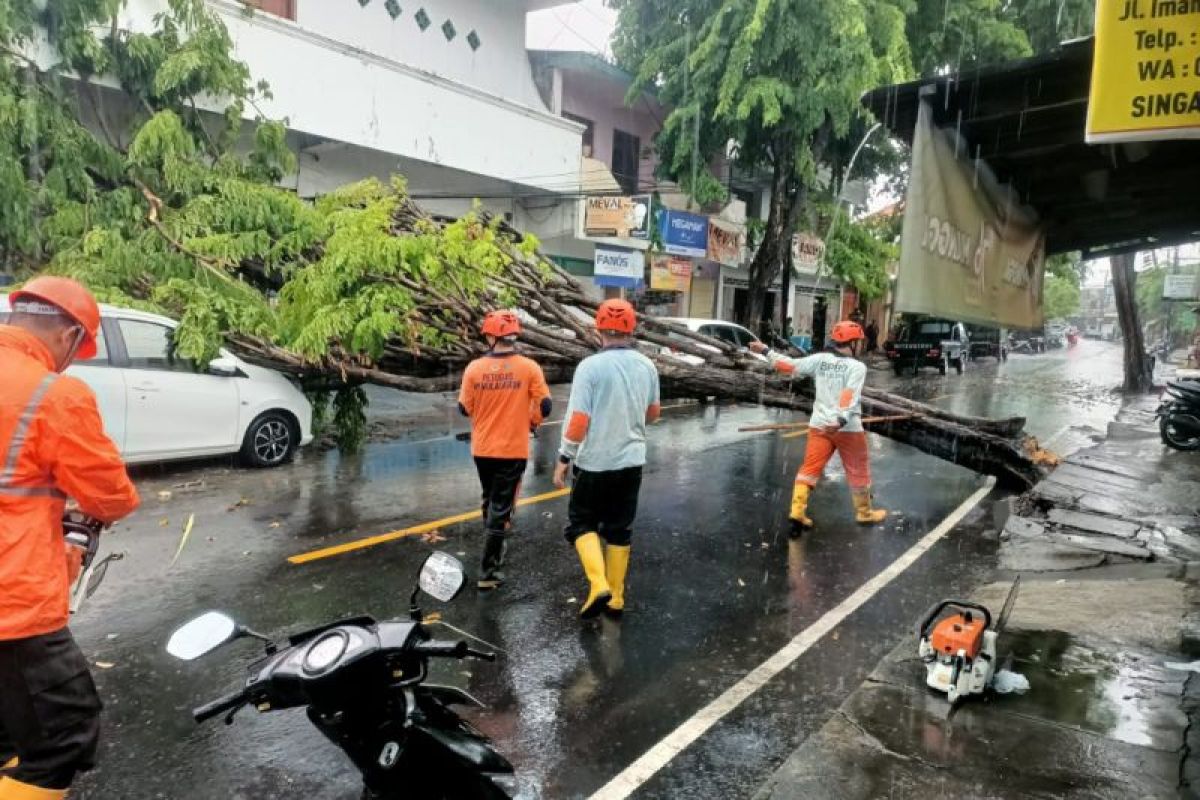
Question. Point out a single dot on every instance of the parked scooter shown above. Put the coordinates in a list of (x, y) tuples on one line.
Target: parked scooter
[(1179, 415), (363, 684)]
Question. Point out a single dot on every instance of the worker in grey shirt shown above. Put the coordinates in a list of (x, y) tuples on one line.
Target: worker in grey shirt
[(614, 396)]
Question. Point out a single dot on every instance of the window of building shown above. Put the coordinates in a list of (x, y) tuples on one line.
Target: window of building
[(626, 160), (589, 129), (280, 8)]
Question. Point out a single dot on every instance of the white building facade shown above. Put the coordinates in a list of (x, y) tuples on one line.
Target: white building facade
[(439, 91)]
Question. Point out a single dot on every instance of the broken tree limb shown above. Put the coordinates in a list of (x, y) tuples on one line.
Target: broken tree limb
[(557, 333)]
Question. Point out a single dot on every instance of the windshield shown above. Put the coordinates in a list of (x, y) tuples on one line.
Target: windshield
[(933, 328)]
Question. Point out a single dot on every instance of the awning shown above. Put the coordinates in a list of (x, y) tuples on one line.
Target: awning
[(1026, 119)]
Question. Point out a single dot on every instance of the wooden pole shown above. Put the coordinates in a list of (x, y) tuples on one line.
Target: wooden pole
[(788, 426)]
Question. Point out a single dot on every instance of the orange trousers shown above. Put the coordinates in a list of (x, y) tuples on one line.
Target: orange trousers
[(852, 447)]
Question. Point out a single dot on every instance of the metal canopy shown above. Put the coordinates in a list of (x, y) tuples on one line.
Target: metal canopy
[(1026, 119)]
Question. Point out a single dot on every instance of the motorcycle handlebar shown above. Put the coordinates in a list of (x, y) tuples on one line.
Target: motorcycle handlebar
[(229, 702), (441, 649)]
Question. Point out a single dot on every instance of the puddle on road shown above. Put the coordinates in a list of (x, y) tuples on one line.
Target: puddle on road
[(1126, 697)]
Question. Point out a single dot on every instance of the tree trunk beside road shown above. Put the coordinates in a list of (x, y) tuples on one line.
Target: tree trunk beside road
[(1137, 365)]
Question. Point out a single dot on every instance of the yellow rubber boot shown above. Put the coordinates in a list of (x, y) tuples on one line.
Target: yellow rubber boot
[(799, 513), (616, 567), (15, 790), (863, 512), (591, 556)]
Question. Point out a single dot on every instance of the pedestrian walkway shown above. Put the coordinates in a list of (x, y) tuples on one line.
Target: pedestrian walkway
[(1104, 629)]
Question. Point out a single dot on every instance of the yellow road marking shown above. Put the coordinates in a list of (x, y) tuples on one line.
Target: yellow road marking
[(794, 434), (383, 538)]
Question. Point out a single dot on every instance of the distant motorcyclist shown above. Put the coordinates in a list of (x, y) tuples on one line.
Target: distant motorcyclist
[(505, 395), (835, 424), (54, 447)]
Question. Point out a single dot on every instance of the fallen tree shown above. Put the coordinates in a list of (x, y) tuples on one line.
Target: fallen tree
[(177, 210), (557, 333)]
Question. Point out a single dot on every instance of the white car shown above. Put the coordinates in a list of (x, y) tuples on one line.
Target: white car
[(157, 407), (735, 335)]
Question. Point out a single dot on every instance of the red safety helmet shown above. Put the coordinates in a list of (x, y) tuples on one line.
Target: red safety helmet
[(616, 316), (72, 299), (847, 331), (501, 324)]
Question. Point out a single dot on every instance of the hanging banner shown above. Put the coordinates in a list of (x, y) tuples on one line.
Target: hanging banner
[(617, 217), (1146, 71), (683, 234), (725, 242), (808, 251), (969, 251), (670, 274), (616, 266)]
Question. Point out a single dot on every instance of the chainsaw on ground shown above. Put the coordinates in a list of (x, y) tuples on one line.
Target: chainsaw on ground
[(958, 645)]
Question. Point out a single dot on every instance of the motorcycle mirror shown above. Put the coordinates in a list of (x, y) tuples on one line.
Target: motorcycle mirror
[(202, 635), (442, 577)]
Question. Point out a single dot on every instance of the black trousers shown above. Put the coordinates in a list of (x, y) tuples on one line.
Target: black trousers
[(49, 709), (604, 503), (500, 479)]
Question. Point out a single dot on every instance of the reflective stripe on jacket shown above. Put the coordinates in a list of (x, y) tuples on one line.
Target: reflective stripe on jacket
[(52, 446)]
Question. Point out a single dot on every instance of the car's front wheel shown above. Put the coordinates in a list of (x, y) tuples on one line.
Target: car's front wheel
[(270, 440)]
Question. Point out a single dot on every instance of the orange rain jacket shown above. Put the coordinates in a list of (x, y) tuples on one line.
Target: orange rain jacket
[(52, 445)]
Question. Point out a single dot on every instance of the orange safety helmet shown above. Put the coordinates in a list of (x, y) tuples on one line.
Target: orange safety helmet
[(501, 324), (847, 331), (72, 299), (617, 316)]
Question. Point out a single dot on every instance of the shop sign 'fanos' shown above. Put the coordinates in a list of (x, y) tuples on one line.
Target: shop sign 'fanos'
[(620, 267)]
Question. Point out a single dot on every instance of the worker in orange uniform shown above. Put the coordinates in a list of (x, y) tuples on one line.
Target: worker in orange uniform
[(506, 397), (835, 424), (54, 447), (614, 396)]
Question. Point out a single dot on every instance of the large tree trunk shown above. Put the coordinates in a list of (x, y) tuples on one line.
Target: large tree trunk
[(559, 336), (1137, 364)]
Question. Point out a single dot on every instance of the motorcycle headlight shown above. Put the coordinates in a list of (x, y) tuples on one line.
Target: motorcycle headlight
[(324, 652)]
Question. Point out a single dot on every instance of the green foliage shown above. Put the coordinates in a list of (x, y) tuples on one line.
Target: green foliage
[(950, 35), (859, 255), (1060, 297), (350, 418)]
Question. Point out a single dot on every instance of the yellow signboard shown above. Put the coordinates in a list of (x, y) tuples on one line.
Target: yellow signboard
[(1146, 73), (670, 274)]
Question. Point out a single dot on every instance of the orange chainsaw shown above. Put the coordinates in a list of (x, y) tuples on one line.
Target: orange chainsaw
[(958, 645)]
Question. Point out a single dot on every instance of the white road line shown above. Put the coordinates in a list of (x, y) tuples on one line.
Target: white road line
[(657, 757)]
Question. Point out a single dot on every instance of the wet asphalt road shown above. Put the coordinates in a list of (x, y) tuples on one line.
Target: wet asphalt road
[(715, 588)]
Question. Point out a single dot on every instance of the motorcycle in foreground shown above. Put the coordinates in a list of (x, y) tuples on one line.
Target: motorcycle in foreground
[(363, 684), (1179, 415)]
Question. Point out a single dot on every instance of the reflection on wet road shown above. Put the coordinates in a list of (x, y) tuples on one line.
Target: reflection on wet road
[(715, 589)]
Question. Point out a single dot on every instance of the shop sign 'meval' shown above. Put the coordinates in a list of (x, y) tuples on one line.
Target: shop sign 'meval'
[(1146, 73)]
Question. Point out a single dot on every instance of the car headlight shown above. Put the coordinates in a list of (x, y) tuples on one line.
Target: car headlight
[(325, 651)]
